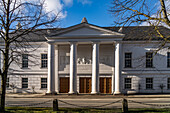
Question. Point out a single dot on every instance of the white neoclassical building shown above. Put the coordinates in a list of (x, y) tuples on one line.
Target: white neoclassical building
[(86, 58)]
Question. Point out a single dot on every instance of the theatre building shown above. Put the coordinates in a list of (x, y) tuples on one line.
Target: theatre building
[(89, 59)]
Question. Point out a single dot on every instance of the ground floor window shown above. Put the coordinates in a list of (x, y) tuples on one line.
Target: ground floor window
[(168, 85), (43, 82), (24, 82), (149, 83), (7, 82), (128, 82)]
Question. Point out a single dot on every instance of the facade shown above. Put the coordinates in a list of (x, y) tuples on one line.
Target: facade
[(89, 59)]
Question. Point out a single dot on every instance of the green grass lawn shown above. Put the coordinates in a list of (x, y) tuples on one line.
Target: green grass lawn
[(81, 110)]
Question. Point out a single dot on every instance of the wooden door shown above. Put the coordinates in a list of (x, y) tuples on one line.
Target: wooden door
[(105, 85), (64, 84), (102, 85), (85, 85)]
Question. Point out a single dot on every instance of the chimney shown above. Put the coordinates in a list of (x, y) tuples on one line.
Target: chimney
[(120, 29), (18, 26)]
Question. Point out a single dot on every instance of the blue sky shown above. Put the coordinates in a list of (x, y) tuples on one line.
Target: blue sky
[(96, 12)]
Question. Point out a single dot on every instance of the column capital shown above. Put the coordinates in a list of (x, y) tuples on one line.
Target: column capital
[(73, 42), (95, 42), (118, 42), (51, 42)]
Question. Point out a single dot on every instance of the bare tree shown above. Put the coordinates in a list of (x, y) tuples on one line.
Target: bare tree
[(29, 16), (129, 14), (137, 12)]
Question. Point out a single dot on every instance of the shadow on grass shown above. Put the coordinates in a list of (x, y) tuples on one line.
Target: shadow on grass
[(149, 110), (83, 110), (26, 109), (90, 110), (61, 110)]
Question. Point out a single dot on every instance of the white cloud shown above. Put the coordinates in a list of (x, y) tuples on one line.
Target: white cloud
[(85, 1), (56, 7), (68, 2)]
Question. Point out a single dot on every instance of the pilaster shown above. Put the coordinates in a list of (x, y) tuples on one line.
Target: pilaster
[(56, 69)]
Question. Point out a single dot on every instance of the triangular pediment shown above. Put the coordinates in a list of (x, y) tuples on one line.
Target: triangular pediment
[(86, 30)]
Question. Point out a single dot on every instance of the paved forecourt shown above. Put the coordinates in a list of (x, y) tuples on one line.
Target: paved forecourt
[(91, 101)]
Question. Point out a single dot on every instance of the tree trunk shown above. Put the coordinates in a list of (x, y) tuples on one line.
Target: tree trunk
[(3, 91), (4, 73)]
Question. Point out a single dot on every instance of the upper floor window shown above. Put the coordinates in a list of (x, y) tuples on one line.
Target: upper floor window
[(128, 82), (44, 60), (24, 82), (128, 60), (24, 60), (168, 59), (149, 83), (149, 59)]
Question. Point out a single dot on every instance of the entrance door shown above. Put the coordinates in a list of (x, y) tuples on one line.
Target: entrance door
[(85, 85), (105, 85), (64, 84)]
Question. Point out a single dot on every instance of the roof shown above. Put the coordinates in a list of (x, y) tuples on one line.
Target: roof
[(37, 35), (139, 33), (132, 33)]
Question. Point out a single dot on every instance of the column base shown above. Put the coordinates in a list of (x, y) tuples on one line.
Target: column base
[(51, 93), (95, 93), (72, 93), (117, 93)]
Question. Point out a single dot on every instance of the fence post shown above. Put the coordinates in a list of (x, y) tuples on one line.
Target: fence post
[(55, 105), (124, 105)]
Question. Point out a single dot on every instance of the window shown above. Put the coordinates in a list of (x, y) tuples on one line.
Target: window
[(44, 60), (43, 82), (24, 82), (24, 60), (128, 82), (168, 59), (149, 59), (149, 83), (128, 60), (168, 85), (7, 82)]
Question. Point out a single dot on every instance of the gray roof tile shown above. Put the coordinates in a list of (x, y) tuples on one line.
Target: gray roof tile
[(132, 33)]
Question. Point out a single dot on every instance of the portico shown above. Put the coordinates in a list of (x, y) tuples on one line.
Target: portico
[(74, 37)]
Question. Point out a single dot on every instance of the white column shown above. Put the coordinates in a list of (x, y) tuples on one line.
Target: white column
[(73, 68), (117, 67), (95, 68), (56, 69), (51, 69)]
